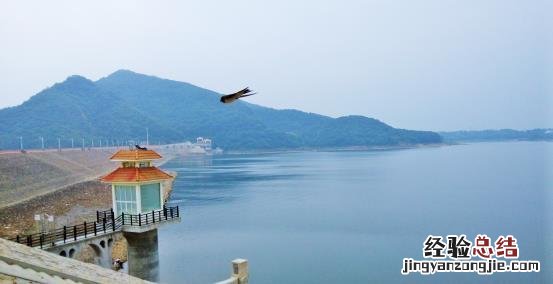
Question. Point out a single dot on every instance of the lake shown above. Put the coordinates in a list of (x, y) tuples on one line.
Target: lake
[(351, 217)]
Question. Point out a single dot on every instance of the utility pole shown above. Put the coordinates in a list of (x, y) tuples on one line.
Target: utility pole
[(42, 142), (59, 144), (147, 137), (83, 145), (21, 143), (92, 143), (72, 143), (100, 143)]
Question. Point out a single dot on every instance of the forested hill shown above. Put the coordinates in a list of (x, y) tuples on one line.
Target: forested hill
[(122, 105), (538, 134)]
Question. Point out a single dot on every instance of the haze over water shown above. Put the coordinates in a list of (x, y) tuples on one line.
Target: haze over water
[(351, 217)]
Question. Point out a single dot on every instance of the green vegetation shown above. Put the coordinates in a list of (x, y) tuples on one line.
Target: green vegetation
[(498, 135), (123, 104)]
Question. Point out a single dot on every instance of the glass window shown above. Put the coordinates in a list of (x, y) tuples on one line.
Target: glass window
[(125, 199), (150, 197), (128, 164)]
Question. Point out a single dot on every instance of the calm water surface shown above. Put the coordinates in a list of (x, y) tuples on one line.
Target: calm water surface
[(351, 217)]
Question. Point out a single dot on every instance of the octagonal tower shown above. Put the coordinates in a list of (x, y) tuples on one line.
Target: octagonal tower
[(137, 185)]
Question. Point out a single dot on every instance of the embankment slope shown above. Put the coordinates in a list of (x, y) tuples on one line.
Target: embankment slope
[(27, 176)]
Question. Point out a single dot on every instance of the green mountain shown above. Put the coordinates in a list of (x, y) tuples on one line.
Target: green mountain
[(538, 134), (122, 105)]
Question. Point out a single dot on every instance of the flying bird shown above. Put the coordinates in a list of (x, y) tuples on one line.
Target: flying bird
[(227, 99)]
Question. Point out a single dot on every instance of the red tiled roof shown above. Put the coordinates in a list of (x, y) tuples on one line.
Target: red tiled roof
[(136, 175), (135, 155)]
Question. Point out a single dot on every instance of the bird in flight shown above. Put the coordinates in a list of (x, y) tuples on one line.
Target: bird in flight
[(230, 98)]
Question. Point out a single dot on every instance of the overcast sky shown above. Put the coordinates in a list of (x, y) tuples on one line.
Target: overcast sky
[(436, 65)]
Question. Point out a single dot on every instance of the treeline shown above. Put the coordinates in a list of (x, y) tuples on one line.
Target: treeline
[(122, 105)]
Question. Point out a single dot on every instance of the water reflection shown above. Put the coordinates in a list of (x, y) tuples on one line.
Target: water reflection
[(208, 179)]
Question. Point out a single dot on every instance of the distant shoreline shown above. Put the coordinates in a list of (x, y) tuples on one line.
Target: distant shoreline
[(338, 149), (375, 148)]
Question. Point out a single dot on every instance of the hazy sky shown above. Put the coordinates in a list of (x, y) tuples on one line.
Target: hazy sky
[(436, 65)]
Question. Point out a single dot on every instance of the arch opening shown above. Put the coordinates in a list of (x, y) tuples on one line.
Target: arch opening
[(71, 253), (97, 250)]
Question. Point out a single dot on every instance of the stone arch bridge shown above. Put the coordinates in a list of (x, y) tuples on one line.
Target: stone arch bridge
[(140, 230)]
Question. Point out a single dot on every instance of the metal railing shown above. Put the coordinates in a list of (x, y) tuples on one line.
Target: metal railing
[(107, 214), (105, 223), (167, 213)]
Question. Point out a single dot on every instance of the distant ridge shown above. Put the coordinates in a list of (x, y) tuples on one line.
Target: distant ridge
[(121, 105), (538, 134)]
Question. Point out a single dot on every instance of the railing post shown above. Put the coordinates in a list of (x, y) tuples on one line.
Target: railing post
[(17, 239), (41, 239), (85, 229), (64, 234), (95, 228), (112, 221), (97, 216), (139, 219), (171, 210), (104, 224), (123, 218), (105, 215), (75, 232), (153, 216), (240, 270), (178, 211), (29, 241), (165, 211), (130, 216)]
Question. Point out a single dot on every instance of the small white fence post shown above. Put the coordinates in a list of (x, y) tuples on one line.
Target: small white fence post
[(239, 273)]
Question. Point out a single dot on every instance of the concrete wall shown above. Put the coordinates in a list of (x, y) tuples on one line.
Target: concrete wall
[(22, 263)]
